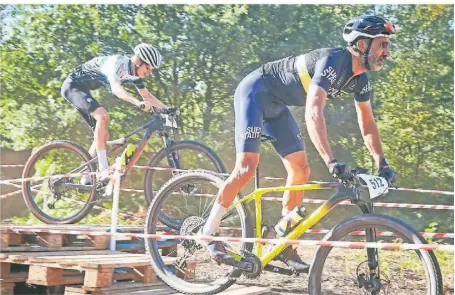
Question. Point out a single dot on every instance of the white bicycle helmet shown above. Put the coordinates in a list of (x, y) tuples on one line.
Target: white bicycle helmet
[(148, 54)]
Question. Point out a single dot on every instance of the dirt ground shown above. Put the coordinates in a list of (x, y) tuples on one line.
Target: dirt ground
[(339, 275)]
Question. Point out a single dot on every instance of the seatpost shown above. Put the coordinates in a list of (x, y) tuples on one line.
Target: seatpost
[(256, 178)]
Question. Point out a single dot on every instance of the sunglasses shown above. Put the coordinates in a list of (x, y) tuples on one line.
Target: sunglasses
[(389, 27)]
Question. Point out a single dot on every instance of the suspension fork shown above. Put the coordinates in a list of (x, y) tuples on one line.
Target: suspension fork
[(370, 234), (172, 157)]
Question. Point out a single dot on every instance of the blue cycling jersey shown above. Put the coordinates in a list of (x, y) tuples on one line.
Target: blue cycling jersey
[(261, 99), (99, 71), (288, 79)]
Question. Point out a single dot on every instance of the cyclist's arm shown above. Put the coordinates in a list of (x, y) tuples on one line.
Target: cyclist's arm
[(146, 95), (120, 92), (369, 129), (315, 121)]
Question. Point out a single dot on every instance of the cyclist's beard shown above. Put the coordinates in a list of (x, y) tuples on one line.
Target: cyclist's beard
[(376, 63)]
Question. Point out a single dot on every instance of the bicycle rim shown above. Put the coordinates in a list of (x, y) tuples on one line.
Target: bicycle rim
[(199, 274), (405, 272), (49, 199)]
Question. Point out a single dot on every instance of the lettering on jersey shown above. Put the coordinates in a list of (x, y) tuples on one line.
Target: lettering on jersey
[(330, 74), (366, 89), (120, 71), (299, 135), (252, 132), (333, 92)]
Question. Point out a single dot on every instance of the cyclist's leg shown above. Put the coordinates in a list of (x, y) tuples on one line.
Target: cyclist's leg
[(298, 171), (289, 145), (80, 97), (101, 136), (248, 129)]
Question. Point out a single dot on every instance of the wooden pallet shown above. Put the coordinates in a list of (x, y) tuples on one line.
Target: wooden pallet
[(159, 289), (30, 238), (93, 269)]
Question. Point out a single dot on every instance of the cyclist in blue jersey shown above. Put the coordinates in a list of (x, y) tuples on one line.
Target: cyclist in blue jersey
[(110, 71), (261, 103)]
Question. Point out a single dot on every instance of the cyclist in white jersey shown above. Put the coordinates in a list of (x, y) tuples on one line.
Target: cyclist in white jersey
[(111, 72)]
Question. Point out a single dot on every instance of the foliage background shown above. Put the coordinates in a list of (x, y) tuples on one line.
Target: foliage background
[(208, 49)]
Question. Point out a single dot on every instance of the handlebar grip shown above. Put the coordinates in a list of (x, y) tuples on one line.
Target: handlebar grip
[(361, 170)]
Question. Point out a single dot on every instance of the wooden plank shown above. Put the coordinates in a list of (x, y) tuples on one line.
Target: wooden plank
[(75, 279), (37, 248), (246, 290), (117, 288), (144, 274), (65, 280), (83, 258), (29, 256), (49, 240), (46, 274), (138, 262), (5, 269), (98, 278), (14, 277), (98, 242), (7, 288)]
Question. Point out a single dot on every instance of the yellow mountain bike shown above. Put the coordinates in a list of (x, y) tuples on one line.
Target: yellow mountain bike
[(189, 197)]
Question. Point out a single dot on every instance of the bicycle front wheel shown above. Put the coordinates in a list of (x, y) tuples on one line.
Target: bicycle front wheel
[(346, 271), (185, 155), (188, 268), (56, 201)]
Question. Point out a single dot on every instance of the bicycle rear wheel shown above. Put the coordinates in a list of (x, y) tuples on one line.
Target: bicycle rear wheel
[(404, 272), (188, 268), (51, 200)]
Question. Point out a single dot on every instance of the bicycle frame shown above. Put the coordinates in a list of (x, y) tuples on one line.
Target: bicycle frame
[(342, 194), (150, 127)]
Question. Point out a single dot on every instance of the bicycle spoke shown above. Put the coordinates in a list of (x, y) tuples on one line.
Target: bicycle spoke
[(182, 204), (47, 195)]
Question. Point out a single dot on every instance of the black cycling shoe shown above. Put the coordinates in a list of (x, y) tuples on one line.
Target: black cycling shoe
[(217, 251), (290, 257)]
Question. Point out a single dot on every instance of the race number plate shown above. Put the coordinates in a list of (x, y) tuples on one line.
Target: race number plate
[(377, 186), (170, 122)]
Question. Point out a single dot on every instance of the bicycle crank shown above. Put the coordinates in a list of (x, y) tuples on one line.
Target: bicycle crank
[(255, 264)]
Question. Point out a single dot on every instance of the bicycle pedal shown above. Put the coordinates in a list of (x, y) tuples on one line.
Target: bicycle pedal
[(280, 270)]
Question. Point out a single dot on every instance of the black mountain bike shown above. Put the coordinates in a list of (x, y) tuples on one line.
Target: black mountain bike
[(65, 200)]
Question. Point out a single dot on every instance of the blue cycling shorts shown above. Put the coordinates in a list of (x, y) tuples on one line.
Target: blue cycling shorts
[(258, 111)]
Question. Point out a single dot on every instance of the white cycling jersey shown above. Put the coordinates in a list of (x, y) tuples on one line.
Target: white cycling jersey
[(99, 71)]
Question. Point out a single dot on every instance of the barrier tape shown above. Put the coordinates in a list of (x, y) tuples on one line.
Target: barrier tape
[(18, 229), (342, 244), (318, 201), (435, 192), (11, 166), (309, 201), (377, 204), (9, 181), (362, 233)]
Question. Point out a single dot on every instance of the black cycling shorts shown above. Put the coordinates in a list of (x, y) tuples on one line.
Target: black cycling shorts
[(79, 96)]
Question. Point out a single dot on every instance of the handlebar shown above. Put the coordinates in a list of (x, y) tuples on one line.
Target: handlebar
[(354, 180), (168, 111)]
